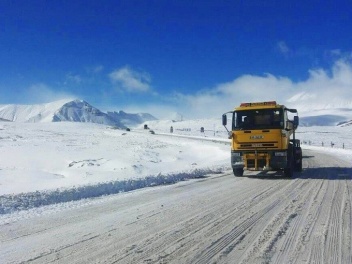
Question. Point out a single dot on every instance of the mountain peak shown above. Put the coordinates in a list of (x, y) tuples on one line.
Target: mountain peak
[(80, 111)]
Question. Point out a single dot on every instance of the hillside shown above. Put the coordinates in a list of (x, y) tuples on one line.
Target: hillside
[(30, 113)]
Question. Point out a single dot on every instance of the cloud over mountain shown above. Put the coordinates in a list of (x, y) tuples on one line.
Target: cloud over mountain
[(323, 89)]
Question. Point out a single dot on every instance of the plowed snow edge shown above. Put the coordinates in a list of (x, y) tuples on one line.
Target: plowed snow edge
[(16, 202)]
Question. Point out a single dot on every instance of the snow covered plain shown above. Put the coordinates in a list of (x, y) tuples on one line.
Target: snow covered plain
[(213, 218), (45, 163)]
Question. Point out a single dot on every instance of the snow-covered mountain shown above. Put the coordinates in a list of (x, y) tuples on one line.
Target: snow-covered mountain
[(317, 110), (71, 111), (325, 117), (131, 119), (311, 114), (81, 111)]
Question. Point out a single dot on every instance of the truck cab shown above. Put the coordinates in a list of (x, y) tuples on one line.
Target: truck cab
[(263, 138)]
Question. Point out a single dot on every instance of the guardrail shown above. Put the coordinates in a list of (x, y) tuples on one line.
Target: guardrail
[(330, 144)]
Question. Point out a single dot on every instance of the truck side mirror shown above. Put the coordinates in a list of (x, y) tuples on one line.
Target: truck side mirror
[(224, 120), (295, 121)]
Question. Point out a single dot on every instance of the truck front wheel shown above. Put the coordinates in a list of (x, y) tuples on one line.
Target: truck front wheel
[(238, 172), (289, 170)]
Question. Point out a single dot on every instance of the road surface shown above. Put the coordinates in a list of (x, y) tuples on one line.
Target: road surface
[(216, 219)]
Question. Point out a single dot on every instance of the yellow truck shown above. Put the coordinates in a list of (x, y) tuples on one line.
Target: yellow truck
[(261, 138)]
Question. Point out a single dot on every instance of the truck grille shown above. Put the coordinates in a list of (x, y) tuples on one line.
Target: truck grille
[(251, 145)]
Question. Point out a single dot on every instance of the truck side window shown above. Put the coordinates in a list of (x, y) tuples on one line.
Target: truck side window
[(277, 120)]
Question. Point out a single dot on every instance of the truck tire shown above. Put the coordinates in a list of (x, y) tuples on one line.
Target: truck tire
[(238, 172), (288, 172), (298, 166)]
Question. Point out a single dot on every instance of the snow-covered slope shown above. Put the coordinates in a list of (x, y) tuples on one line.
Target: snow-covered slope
[(317, 110), (326, 117), (345, 123), (312, 101), (30, 113)]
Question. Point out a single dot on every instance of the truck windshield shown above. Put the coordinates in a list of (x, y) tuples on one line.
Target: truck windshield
[(258, 119)]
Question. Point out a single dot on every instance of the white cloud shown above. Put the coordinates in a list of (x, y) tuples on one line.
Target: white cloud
[(98, 69), (74, 78), (131, 80), (224, 97), (323, 89), (94, 70), (283, 48), (335, 52), (160, 111)]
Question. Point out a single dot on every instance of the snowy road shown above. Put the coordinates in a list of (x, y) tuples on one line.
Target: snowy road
[(217, 219)]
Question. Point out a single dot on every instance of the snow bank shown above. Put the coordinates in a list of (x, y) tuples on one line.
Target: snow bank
[(25, 201)]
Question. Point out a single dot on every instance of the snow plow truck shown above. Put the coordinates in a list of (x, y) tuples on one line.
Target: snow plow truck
[(263, 138)]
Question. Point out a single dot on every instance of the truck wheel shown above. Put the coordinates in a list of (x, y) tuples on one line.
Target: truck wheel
[(298, 166), (288, 172), (238, 172)]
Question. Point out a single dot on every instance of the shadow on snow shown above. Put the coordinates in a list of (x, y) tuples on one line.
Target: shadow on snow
[(326, 173)]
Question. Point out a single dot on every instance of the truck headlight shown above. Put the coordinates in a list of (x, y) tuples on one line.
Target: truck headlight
[(280, 154)]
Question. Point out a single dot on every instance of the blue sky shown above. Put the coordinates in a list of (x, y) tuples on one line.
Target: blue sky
[(199, 58)]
